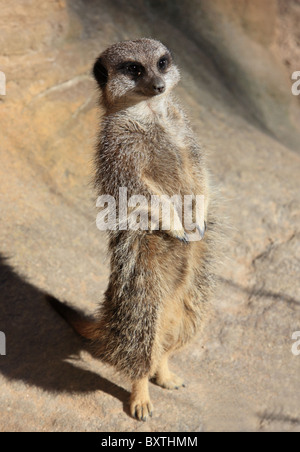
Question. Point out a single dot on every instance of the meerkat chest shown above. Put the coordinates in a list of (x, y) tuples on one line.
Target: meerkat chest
[(167, 144), (166, 121), (169, 160), (177, 134)]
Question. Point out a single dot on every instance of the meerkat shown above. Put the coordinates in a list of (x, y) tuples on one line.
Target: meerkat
[(160, 282)]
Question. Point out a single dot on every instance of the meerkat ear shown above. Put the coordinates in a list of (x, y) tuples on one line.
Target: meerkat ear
[(100, 72)]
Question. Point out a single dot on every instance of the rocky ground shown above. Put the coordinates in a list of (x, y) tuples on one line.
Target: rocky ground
[(241, 374)]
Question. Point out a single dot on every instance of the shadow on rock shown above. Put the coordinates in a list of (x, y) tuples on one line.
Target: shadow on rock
[(39, 342), (293, 302)]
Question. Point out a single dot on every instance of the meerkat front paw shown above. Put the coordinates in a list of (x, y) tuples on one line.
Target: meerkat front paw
[(141, 409), (181, 235), (201, 229), (170, 381)]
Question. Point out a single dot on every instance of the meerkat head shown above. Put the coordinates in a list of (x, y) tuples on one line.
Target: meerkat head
[(131, 71)]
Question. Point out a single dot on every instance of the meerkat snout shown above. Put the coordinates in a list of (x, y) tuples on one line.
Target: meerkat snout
[(133, 71), (158, 85)]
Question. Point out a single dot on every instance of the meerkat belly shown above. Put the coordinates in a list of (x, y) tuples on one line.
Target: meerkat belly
[(184, 308), (179, 320), (171, 323)]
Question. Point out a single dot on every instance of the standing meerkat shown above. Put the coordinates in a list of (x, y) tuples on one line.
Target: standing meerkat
[(160, 281)]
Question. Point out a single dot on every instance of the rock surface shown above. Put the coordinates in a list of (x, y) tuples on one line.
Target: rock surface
[(241, 374)]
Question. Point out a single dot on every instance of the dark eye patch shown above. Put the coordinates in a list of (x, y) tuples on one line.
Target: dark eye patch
[(164, 62), (132, 68), (100, 72)]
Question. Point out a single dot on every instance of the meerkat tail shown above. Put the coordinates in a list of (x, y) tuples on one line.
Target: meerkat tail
[(81, 325)]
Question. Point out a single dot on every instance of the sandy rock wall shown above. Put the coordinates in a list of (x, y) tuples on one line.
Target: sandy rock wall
[(250, 43)]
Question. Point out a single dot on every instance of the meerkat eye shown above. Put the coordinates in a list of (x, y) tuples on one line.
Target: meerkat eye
[(135, 70), (163, 63)]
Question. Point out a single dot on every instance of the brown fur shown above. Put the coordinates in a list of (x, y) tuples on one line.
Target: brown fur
[(159, 286)]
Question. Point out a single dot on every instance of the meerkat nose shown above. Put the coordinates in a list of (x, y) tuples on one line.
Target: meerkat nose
[(158, 85)]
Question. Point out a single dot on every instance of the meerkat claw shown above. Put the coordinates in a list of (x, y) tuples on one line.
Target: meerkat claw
[(201, 230), (183, 238), (142, 412)]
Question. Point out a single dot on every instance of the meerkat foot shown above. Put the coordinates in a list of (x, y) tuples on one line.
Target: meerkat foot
[(170, 381), (140, 404), (141, 410), (165, 378)]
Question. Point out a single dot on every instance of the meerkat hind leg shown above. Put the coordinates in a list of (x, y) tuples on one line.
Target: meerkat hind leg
[(140, 403), (165, 378)]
